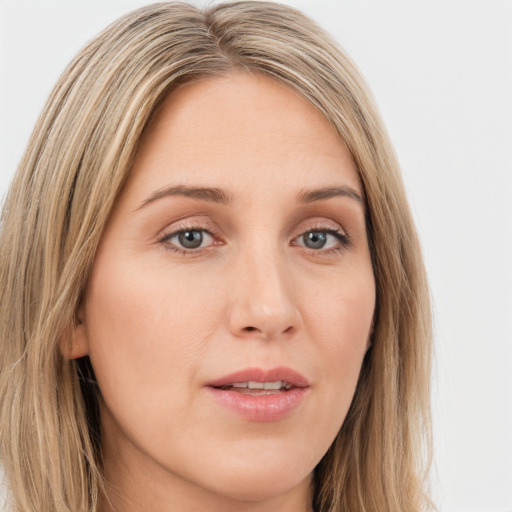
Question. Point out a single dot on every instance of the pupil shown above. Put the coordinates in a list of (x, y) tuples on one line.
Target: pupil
[(315, 239), (190, 239)]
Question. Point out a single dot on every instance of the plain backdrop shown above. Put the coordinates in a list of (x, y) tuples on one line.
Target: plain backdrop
[(441, 71)]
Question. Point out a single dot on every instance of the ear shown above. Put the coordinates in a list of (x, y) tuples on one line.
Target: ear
[(74, 343)]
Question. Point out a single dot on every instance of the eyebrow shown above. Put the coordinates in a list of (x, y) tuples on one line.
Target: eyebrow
[(218, 195), (214, 195), (310, 196)]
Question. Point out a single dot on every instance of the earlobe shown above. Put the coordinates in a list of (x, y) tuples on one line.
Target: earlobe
[(74, 344)]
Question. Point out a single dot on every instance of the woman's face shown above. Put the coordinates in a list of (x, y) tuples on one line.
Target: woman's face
[(235, 259)]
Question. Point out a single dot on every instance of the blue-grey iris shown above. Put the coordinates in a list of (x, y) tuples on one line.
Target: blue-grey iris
[(315, 239), (190, 239)]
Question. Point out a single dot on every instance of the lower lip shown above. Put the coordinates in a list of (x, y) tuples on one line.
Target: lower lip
[(261, 408)]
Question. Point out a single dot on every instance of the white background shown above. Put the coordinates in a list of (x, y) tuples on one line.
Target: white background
[(442, 74)]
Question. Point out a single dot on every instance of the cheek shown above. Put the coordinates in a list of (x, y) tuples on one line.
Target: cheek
[(339, 321), (143, 308), (339, 313), (150, 325), (147, 341), (145, 337)]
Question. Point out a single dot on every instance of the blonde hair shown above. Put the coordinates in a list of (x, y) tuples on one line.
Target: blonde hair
[(75, 165)]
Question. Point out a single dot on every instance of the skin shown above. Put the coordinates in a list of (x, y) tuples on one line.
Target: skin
[(159, 324)]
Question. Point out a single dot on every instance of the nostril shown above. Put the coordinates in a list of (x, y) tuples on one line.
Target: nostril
[(265, 333)]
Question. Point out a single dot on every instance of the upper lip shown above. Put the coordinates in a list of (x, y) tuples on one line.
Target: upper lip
[(281, 373)]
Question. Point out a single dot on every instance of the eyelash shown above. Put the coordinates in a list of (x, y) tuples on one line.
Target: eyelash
[(166, 237), (344, 241), (342, 237)]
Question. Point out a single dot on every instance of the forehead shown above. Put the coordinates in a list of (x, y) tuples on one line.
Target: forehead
[(241, 130)]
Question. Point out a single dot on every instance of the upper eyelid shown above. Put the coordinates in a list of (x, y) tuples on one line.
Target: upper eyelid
[(340, 234), (343, 241), (186, 224), (204, 223), (165, 238), (343, 238), (323, 224)]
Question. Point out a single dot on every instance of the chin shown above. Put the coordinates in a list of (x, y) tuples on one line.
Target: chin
[(259, 486), (264, 479)]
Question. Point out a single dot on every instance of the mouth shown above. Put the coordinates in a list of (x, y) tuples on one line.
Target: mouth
[(254, 388), (257, 380), (261, 395)]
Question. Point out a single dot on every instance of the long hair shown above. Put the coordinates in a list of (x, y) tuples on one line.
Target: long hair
[(75, 165)]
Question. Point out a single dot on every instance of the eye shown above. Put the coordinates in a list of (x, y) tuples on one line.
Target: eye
[(189, 239), (322, 239)]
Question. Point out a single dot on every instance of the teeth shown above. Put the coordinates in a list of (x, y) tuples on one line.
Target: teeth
[(278, 384), (273, 385)]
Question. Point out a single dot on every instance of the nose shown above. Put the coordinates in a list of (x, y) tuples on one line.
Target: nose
[(263, 298)]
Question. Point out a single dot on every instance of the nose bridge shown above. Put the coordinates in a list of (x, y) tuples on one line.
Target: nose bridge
[(264, 301)]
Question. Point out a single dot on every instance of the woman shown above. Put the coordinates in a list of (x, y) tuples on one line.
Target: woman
[(212, 291)]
